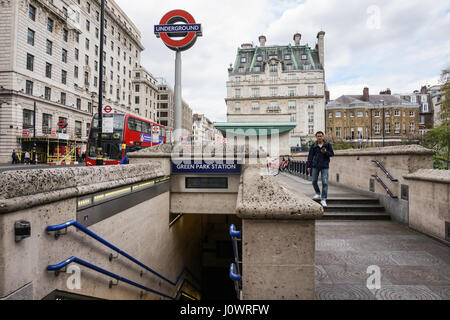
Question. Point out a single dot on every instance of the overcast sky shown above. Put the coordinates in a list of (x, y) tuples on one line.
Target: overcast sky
[(381, 44)]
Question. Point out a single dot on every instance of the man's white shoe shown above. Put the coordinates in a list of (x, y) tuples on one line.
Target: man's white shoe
[(324, 203), (317, 197)]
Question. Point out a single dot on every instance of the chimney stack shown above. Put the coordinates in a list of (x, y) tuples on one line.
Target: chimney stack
[(366, 94), (262, 41), (321, 47), (297, 38), (388, 92)]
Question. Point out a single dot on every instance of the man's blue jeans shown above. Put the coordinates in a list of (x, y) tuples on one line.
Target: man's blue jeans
[(324, 173)]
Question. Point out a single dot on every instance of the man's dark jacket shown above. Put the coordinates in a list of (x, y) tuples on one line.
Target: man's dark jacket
[(319, 160)]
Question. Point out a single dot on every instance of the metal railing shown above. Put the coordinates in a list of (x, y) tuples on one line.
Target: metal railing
[(378, 163), (235, 270), (300, 169), (72, 223), (384, 186), (64, 264)]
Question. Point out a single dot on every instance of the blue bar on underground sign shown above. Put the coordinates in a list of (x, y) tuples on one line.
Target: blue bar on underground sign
[(177, 28)]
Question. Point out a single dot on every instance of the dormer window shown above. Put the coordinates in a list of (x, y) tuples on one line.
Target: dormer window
[(287, 57), (243, 59), (304, 57)]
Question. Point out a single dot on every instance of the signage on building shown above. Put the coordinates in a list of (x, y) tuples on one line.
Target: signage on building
[(188, 32), (62, 124), (108, 124), (26, 133), (207, 167), (107, 109), (63, 136)]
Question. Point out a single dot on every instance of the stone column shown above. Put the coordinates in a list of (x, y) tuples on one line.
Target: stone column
[(278, 239)]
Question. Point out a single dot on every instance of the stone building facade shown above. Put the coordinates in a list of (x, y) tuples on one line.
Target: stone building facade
[(166, 109), (49, 57), (372, 119), (145, 88), (279, 84)]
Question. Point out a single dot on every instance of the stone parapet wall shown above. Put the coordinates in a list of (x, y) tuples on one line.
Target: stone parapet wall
[(28, 188), (278, 238), (429, 210)]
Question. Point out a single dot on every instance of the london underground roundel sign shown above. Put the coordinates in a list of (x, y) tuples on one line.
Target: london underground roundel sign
[(186, 32)]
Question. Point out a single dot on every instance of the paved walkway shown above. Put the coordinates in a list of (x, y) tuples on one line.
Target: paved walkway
[(413, 266)]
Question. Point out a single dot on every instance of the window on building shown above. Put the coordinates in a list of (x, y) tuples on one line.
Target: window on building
[(63, 98), (292, 92), (292, 105), (255, 106), (412, 114), (65, 35), (304, 57), (32, 12), (29, 87), (397, 127), (310, 104), (412, 127), (388, 127), (422, 120), (243, 59), (287, 57), (377, 128), (259, 58), (293, 118), (237, 93), (425, 107), (30, 37), (30, 62), (338, 114), (352, 114), (86, 59), (388, 114), (273, 68), (330, 115), (48, 93), (78, 104), (86, 78), (50, 25), (49, 47), (136, 100), (237, 106), (311, 117), (48, 70), (64, 55), (310, 90), (63, 77), (310, 130), (47, 123), (338, 132), (255, 92), (28, 119), (75, 72), (78, 131), (273, 92), (377, 114), (360, 114)]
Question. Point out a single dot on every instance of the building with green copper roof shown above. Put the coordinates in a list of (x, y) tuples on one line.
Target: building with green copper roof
[(279, 84)]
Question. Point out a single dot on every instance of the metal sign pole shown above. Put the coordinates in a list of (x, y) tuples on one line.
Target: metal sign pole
[(99, 161), (178, 98)]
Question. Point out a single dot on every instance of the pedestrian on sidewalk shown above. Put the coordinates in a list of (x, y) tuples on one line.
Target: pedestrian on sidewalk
[(15, 158), (27, 158), (319, 163)]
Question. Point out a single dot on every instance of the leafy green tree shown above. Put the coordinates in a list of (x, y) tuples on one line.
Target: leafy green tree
[(439, 137)]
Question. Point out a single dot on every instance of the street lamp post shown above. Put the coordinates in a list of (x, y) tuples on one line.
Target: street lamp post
[(99, 161)]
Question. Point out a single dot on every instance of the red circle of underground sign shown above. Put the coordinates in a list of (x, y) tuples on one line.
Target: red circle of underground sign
[(108, 109), (178, 43), (62, 124)]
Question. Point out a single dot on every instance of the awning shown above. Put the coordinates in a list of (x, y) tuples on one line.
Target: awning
[(252, 129)]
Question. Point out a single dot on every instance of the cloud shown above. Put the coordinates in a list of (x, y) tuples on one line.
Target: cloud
[(377, 43)]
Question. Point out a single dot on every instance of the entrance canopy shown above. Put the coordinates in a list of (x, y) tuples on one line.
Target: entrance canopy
[(252, 129)]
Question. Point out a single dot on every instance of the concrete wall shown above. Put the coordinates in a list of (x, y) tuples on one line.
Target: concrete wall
[(142, 231), (429, 211), (278, 244)]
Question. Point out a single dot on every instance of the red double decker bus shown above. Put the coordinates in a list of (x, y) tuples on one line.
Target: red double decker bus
[(126, 133)]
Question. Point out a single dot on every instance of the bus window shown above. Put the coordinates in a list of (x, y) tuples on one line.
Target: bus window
[(138, 125), (132, 124)]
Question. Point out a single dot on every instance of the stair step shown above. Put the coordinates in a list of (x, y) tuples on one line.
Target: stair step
[(355, 216), (351, 201), (354, 208)]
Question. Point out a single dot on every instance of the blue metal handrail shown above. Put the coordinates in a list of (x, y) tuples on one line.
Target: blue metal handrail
[(79, 261), (235, 273), (85, 230)]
